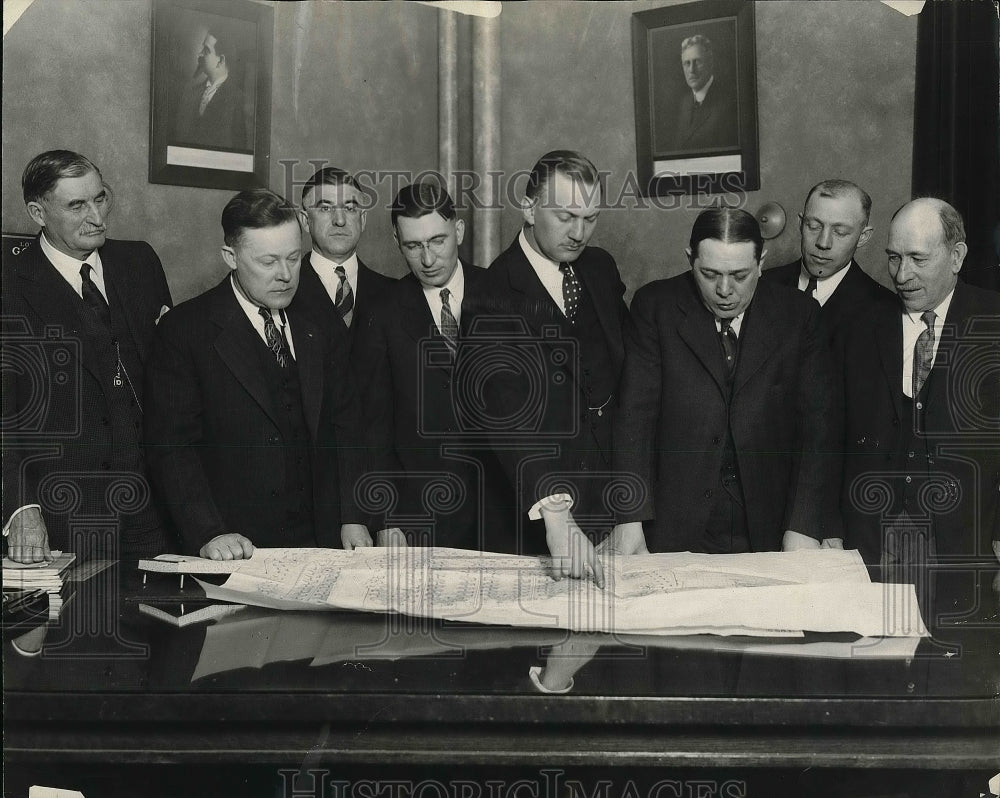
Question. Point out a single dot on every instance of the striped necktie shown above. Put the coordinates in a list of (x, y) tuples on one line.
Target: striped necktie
[(449, 324), (344, 300)]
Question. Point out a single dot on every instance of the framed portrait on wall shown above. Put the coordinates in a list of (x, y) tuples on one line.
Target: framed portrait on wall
[(210, 91), (695, 80)]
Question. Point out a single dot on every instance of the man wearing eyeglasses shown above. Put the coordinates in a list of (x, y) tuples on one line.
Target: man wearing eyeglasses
[(447, 490), (79, 313), (833, 226), (335, 286)]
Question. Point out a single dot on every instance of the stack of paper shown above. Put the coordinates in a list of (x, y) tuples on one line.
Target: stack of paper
[(47, 576)]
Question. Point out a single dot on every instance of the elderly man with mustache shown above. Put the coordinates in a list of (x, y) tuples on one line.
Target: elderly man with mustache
[(79, 312)]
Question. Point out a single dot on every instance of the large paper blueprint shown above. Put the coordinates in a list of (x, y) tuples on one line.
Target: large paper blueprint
[(764, 594)]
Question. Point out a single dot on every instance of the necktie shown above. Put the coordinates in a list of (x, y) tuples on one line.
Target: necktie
[(275, 339), (344, 300), (94, 298), (923, 352), (727, 335), (449, 324), (570, 291), (811, 288)]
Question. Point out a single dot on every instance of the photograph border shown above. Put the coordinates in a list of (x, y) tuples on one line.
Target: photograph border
[(644, 23), (162, 172)]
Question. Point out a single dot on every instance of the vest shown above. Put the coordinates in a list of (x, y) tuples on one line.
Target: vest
[(294, 451)]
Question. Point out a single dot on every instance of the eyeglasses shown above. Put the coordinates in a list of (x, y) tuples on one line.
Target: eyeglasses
[(435, 245)]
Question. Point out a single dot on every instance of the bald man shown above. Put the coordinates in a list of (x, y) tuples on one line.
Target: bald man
[(922, 466)]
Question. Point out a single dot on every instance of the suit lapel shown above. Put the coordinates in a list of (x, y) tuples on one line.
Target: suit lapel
[(58, 305), (237, 345), (524, 281), (889, 342), (605, 305), (309, 362), (696, 328), (759, 338)]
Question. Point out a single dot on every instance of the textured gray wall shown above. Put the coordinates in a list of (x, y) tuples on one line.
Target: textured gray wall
[(356, 84), (835, 99)]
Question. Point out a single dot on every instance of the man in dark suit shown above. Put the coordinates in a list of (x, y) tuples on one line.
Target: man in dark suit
[(922, 468), (251, 412), (728, 410), (449, 490), (706, 115), (79, 313), (335, 286), (833, 226), (210, 112), (563, 307)]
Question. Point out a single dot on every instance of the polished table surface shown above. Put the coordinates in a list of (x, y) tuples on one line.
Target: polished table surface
[(110, 683)]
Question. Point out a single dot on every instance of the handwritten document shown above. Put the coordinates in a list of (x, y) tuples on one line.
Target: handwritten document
[(761, 594)]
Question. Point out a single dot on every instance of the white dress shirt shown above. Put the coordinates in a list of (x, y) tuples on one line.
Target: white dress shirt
[(824, 286), (69, 267), (699, 96), (547, 271), (737, 324), (209, 93), (913, 325), (456, 285), (253, 313), (326, 270)]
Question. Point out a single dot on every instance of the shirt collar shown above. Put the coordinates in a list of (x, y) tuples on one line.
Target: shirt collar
[(320, 262), (538, 261), (252, 310), (67, 265), (825, 286), (699, 95), (940, 312), (455, 286)]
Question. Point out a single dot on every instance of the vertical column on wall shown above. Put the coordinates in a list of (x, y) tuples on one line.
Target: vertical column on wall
[(448, 96), (486, 136)]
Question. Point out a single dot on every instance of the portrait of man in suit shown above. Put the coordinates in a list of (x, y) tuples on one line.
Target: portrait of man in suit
[(833, 226), (922, 468), (210, 111), (705, 113), (729, 414), (250, 426), (335, 285), (405, 356), (79, 313)]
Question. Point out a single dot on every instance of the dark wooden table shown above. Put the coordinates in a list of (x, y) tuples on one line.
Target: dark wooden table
[(112, 691)]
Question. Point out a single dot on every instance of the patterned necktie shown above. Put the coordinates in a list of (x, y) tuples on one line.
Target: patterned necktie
[(811, 288), (449, 324), (275, 340), (923, 352), (727, 335), (570, 291), (344, 300), (94, 298)]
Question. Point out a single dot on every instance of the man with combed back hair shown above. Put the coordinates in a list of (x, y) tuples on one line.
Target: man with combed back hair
[(252, 415), (407, 358), (729, 413), (563, 302)]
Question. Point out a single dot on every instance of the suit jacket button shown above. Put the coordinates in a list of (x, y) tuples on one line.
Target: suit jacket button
[(911, 455), (716, 440), (708, 493), (920, 405), (274, 491)]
